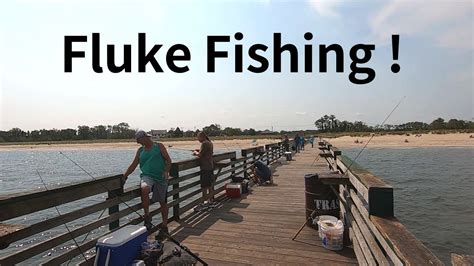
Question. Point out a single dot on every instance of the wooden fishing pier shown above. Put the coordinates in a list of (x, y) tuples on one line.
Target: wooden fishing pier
[(255, 229)]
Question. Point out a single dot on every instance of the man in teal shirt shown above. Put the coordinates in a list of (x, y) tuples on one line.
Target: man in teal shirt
[(155, 164)]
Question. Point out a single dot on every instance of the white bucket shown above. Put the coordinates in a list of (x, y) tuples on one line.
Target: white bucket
[(331, 232)]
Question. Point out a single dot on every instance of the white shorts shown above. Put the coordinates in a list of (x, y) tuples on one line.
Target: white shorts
[(160, 191)]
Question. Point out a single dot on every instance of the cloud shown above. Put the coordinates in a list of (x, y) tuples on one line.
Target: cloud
[(449, 23), (300, 113), (359, 114), (326, 8)]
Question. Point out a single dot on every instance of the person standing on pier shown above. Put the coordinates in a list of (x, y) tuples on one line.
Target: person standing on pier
[(286, 143), (303, 140), (206, 163), (297, 143), (155, 164)]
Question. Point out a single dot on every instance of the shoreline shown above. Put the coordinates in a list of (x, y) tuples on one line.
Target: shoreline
[(384, 141), (132, 145), (404, 141)]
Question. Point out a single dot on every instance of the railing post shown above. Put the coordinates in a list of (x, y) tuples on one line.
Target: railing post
[(244, 154), (232, 166), (268, 150), (174, 172), (114, 209)]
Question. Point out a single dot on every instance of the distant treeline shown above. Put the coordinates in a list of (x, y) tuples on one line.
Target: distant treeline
[(120, 131), (329, 123), (326, 124)]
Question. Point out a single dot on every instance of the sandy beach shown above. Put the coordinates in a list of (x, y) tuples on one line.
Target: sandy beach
[(233, 144), (411, 141), (395, 141)]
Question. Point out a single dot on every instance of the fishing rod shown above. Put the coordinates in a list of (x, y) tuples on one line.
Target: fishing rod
[(352, 162), (59, 213), (128, 206)]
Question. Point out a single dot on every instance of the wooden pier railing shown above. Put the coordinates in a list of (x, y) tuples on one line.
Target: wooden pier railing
[(185, 193), (366, 203)]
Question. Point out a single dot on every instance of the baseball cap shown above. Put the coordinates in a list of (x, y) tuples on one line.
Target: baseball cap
[(141, 133)]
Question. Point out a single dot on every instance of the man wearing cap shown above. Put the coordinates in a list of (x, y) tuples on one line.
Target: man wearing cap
[(155, 164)]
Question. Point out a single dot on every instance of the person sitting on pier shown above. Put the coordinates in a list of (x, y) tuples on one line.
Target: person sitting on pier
[(206, 163), (155, 164), (261, 173)]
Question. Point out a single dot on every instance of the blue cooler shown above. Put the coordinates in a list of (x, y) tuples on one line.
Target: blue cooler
[(121, 247)]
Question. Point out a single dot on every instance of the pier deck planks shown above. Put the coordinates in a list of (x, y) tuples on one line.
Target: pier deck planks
[(258, 228)]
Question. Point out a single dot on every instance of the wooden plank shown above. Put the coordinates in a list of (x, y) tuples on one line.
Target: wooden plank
[(8, 229), (410, 250), (369, 239), (365, 215), (67, 217), (334, 179), (325, 155), (191, 163), (358, 185), (15, 205), (358, 251), (366, 251), (335, 151), (375, 191), (22, 255), (461, 260)]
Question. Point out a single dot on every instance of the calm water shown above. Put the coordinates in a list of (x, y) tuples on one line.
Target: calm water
[(434, 193), (434, 189)]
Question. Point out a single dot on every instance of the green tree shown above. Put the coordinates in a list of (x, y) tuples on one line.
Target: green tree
[(84, 132), (438, 124), (178, 133)]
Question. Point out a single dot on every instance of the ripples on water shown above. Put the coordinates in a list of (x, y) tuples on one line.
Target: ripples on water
[(434, 193), (434, 189)]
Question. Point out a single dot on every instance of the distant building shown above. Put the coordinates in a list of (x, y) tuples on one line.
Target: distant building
[(267, 132), (158, 133)]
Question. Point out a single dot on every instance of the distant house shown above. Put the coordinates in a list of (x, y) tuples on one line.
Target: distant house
[(267, 132), (158, 133)]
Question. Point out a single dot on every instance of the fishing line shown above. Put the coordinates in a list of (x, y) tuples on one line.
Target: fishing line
[(59, 213), (128, 206), (373, 135), (84, 239)]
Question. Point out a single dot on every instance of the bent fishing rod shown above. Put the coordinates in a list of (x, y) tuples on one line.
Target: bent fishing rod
[(141, 216), (350, 165), (59, 213)]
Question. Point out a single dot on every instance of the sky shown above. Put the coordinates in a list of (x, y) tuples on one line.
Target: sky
[(435, 57)]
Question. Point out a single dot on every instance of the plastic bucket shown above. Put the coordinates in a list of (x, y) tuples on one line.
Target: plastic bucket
[(331, 232), (325, 218)]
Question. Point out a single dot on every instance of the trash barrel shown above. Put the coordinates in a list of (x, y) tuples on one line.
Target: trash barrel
[(319, 197)]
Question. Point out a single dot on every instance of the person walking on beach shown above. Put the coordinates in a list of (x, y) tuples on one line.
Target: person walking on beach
[(311, 140), (155, 164), (206, 163)]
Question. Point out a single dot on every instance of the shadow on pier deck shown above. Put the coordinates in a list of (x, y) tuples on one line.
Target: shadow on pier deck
[(258, 228)]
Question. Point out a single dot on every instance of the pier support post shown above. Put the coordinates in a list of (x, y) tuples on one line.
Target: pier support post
[(114, 209)]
